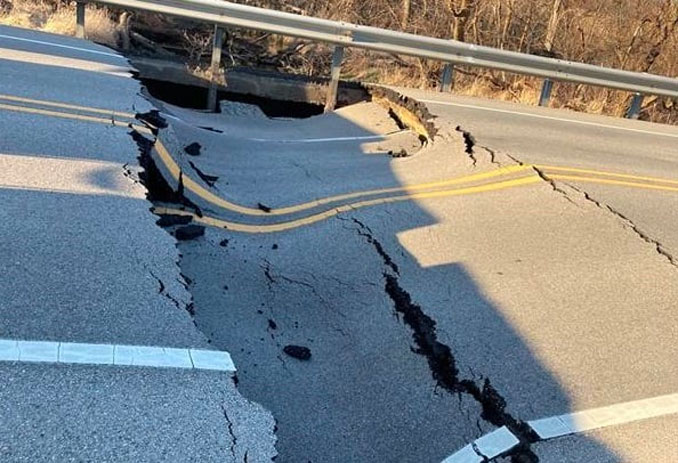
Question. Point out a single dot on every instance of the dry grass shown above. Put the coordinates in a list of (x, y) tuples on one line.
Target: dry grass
[(59, 18)]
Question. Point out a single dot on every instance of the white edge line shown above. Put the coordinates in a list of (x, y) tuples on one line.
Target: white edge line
[(502, 440), (321, 140), (553, 118), (12, 350), (21, 39), (486, 447), (603, 417)]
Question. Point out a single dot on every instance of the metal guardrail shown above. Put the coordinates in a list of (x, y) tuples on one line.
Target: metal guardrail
[(225, 14)]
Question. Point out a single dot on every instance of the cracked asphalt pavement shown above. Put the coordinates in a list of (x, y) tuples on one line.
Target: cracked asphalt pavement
[(84, 261), (378, 308), (433, 321)]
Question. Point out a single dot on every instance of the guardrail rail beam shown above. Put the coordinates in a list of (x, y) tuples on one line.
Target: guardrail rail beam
[(340, 34)]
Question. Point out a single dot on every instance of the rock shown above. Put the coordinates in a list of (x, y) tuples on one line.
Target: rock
[(193, 149), (298, 352)]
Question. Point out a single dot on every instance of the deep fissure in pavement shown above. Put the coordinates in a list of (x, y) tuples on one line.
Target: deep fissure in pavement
[(441, 360), (158, 190), (469, 143), (439, 356)]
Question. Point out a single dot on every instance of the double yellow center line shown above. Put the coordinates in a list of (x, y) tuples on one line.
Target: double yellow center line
[(70, 111), (495, 180)]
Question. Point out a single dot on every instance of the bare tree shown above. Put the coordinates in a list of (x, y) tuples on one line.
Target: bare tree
[(552, 27), (461, 15), (406, 15)]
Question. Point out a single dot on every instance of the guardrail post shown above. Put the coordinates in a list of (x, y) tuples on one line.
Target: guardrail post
[(80, 20), (545, 96), (447, 79), (215, 70), (635, 107), (333, 87)]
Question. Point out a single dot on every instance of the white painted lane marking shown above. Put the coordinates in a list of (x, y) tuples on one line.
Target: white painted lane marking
[(495, 443), (319, 140), (465, 455), (313, 140), (485, 448), (38, 351), (502, 440), (603, 417), (108, 354), (57, 45), (322, 140), (552, 118), (211, 360), (152, 357), (92, 354)]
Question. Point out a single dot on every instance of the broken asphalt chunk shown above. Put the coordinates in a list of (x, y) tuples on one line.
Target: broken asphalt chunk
[(298, 352), (169, 220), (189, 232), (193, 149)]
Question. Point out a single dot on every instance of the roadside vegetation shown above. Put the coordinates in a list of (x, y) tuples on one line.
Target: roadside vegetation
[(627, 34)]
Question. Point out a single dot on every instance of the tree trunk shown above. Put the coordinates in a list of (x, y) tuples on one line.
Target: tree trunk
[(461, 18), (406, 15), (553, 26)]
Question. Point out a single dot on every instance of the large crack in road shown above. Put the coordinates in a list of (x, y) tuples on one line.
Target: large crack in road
[(441, 360), (318, 347), (198, 268)]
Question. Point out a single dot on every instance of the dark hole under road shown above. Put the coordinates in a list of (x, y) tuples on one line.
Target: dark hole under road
[(194, 97)]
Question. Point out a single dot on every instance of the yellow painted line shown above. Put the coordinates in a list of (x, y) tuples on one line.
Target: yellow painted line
[(190, 184), (608, 174), (80, 117), (66, 106), (612, 182), (278, 227)]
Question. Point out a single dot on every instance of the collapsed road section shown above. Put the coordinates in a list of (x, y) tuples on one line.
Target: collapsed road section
[(359, 293), (316, 323)]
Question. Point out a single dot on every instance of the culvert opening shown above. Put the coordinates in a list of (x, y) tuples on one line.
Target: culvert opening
[(195, 97)]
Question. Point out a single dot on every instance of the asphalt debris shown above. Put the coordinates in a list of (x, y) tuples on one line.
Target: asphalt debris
[(193, 149), (399, 154), (169, 220), (263, 207), (189, 232), (298, 352)]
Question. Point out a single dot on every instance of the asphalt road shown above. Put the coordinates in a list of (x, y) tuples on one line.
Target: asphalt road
[(84, 262), (564, 138), (378, 308), (548, 301)]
